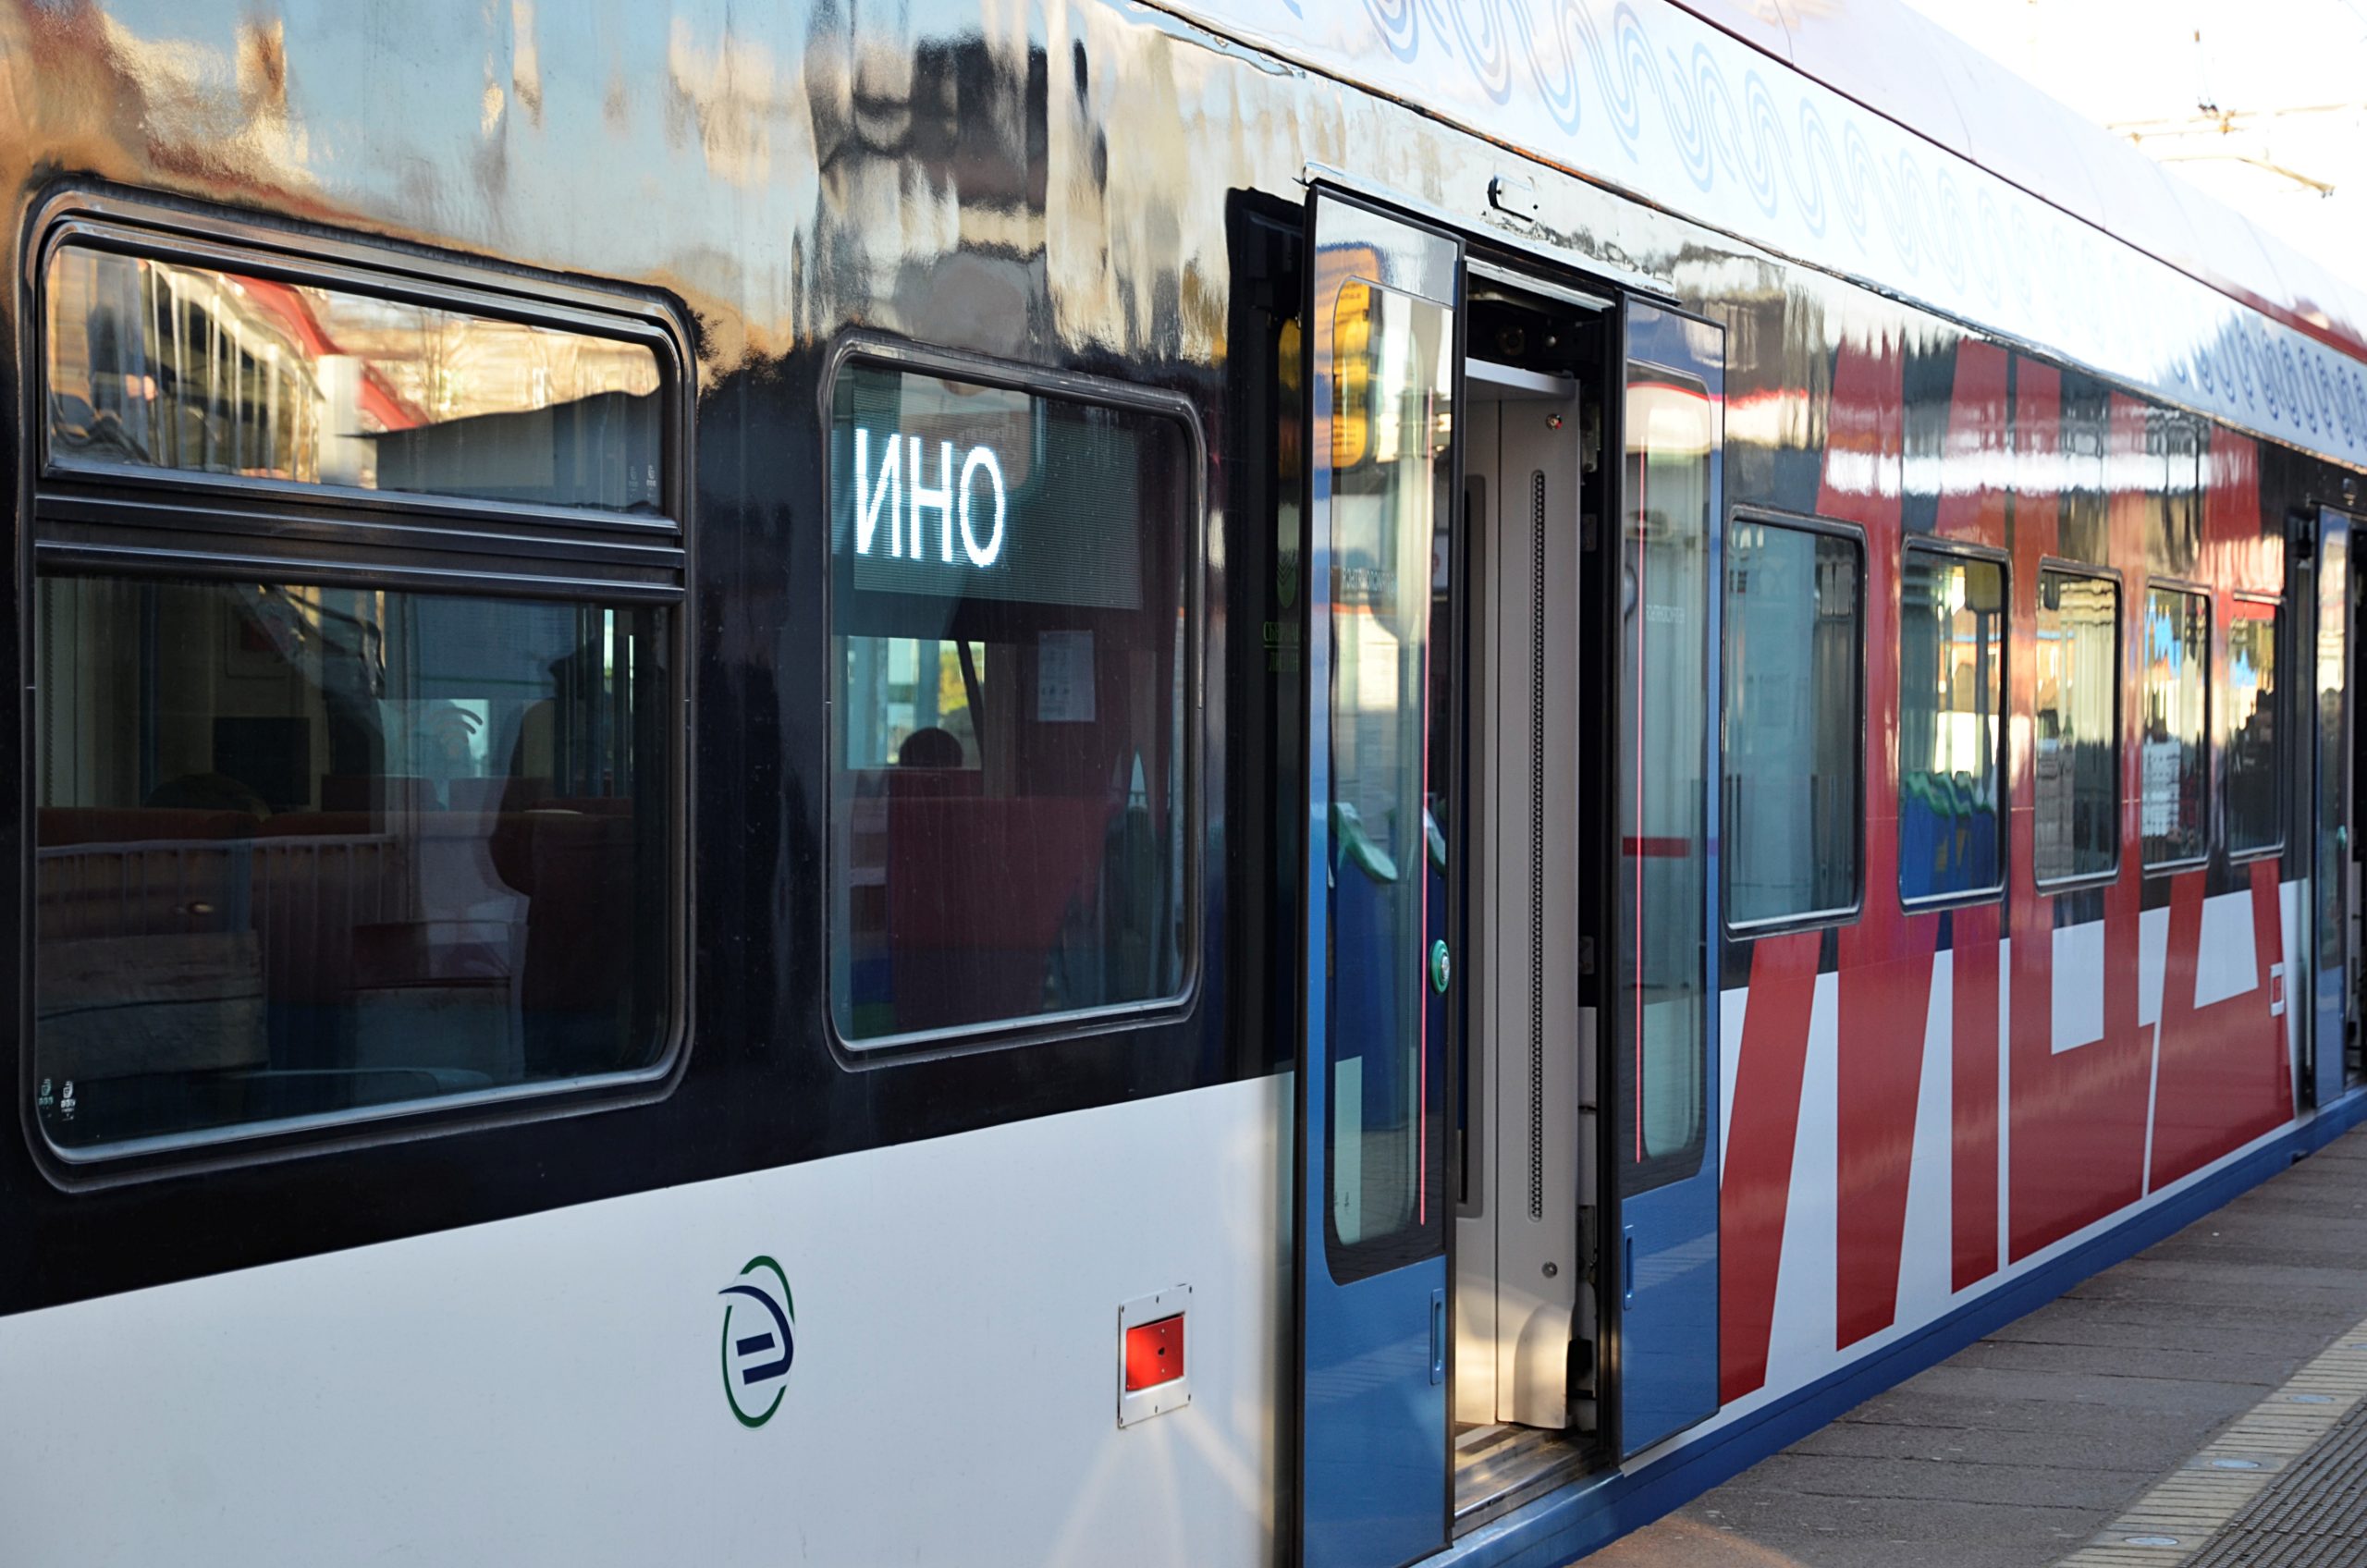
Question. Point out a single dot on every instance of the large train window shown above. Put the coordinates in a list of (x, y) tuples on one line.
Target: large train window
[(1794, 715), (346, 805), (1951, 751), (1015, 682), (2254, 824), (2075, 831), (2175, 771)]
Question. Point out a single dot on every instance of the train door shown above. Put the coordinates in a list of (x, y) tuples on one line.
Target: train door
[(1582, 1042), (1508, 1017), (1384, 315), (1521, 582), (1663, 1005), (2331, 1045)]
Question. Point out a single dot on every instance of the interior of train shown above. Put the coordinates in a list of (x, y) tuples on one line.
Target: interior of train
[(342, 847), (1509, 589)]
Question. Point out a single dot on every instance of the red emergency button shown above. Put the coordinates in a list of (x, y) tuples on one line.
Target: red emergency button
[(1154, 1353)]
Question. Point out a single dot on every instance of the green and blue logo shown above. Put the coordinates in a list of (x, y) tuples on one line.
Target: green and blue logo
[(757, 1342)]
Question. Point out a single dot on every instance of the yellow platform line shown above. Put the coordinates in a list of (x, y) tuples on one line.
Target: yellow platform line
[(2180, 1516)]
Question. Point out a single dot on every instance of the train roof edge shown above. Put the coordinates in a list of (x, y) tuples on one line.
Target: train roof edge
[(1983, 112)]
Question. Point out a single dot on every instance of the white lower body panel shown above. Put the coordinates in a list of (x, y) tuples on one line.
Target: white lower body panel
[(547, 1389)]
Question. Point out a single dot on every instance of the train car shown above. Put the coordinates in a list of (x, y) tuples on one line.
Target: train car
[(1216, 782)]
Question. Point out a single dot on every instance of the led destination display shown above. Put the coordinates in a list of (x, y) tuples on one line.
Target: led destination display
[(947, 488)]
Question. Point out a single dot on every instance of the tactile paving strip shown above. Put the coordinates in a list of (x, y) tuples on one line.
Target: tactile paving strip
[(2290, 1475), (2314, 1513)]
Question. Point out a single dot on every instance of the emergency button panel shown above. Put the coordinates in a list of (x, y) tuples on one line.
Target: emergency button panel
[(1154, 1353), (1154, 1341)]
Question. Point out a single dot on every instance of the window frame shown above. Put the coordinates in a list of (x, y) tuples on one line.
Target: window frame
[(141, 229), (2210, 801), (2066, 567), (1841, 914), (2279, 773), (2004, 561), (903, 356), (135, 523)]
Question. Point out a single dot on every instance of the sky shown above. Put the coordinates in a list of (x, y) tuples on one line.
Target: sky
[(2292, 72)]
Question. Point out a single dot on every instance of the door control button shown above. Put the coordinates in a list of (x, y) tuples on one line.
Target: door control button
[(1154, 1353), (1153, 1333)]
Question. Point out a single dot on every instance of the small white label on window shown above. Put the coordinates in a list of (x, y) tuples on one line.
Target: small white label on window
[(1064, 678)]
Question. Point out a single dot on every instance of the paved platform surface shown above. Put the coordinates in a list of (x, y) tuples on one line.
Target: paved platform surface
[(2030, 1446)]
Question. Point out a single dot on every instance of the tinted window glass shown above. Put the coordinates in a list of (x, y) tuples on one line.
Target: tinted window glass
[(2177, 674), (2332, 696), (2074, 830), (1794, 713), (1011, 669), (1951, 679), (1664, 778), (160, 364), (2253, 820), (303, 850)]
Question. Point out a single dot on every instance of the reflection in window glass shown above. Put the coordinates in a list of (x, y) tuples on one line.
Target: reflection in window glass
[(2253, 820), (158, 365), (1792, 722), (2177, 672), (302, 850), (1391, 460), (1663, 786), (2075, 829), (2331, 698), (1009, 691), (1951, 677)]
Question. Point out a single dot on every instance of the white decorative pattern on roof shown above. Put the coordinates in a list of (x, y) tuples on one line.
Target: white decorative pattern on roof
[(1648, 98)]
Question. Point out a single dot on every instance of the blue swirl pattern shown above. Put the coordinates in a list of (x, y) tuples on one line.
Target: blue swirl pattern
[(1702, 123)]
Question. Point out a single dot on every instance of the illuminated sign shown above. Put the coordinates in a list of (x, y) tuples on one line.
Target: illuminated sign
[(953, 500), (945, 491)]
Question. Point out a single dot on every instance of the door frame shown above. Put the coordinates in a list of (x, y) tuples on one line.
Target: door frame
[(1601, 651), (1358, 1318), (2331, 571), (1587, 619)]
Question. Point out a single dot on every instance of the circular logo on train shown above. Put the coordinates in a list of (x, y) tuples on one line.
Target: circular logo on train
[(758, 1344)]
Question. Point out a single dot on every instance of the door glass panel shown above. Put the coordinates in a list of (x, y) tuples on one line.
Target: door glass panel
[(2334, 775), (1951, 677), (1391, 440), (1664, 778), (2253, 821), (1450, 641), (2075, 726), (2178, 666)]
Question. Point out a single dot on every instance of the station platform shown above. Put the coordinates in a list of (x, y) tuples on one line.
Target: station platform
[(2201, 1405)]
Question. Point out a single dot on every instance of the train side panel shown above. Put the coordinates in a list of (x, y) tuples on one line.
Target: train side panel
[(568, 1386)]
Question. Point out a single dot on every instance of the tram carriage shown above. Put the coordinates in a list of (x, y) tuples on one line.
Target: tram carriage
[(1211, 782)]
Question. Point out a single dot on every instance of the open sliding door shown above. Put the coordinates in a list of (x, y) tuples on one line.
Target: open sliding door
[(1372, 1211), (1664, 1031), (2332, 880)]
